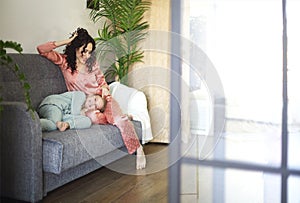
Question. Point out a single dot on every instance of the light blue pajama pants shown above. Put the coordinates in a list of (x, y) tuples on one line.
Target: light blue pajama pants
[(50, 114)]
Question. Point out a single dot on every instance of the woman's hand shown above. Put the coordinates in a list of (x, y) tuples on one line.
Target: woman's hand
[(66, 41), (105, 92), (75, 34)]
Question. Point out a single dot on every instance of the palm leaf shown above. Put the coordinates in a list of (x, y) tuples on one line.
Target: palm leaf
[(123, 31)]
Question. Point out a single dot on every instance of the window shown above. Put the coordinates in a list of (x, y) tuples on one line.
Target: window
[(245, 42)]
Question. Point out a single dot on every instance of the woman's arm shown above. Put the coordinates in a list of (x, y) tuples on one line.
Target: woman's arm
[(64, 42), (96, 117), (103, 86), (47, 50)]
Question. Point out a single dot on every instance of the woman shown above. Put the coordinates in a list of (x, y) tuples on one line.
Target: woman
[(82, 73)]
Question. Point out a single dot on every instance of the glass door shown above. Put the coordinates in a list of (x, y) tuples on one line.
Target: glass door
[(245, 43)]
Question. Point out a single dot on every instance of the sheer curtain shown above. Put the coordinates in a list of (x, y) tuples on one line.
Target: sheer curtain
[(152, 76)]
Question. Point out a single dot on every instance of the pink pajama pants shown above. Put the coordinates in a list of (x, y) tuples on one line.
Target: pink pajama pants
[(114, 116)]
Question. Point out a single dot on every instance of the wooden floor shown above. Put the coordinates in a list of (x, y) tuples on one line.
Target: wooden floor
[(106, 185)]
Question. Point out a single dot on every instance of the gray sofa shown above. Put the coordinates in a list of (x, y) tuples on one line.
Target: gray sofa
[(34, 163)]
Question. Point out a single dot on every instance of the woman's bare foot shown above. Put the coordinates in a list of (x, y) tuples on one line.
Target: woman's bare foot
[(140, 158), (62, 126)]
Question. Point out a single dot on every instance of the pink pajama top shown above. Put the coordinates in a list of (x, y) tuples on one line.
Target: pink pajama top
[(88, 82)]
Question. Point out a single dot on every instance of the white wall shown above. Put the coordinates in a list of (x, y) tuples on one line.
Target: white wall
[(32, 22)]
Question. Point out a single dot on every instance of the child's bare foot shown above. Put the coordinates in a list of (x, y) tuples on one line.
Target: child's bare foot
[(140, 158), (62, 126)]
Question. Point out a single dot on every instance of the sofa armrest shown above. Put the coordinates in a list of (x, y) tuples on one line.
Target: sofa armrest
[(21, 153)]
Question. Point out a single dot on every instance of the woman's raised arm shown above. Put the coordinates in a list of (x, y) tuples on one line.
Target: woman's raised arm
[(47, 50)]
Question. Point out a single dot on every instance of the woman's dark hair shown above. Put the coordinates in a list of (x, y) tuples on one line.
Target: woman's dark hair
[(82, 39)]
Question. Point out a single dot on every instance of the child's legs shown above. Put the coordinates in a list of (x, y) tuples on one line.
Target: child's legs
[(77, 121), (47, 125), (49, 114)]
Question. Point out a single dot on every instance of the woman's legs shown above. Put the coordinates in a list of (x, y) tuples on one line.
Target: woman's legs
[(115, 116), (131, 140)]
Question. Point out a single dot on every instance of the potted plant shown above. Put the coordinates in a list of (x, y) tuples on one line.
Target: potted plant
[(7, 62), (123, 30)]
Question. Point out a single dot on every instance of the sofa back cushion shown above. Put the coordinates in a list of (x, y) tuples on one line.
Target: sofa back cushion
[(43, 76)]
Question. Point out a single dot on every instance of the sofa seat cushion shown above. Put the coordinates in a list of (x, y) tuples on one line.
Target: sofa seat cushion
[(64, 150)]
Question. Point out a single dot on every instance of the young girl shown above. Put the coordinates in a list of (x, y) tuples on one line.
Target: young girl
[(64, 111)]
